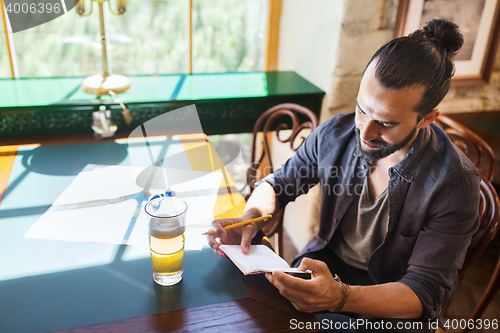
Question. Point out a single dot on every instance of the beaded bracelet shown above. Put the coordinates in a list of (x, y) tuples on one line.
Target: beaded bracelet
[(345, 293)]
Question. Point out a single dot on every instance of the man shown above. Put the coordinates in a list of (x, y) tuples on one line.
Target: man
[(395, 224)]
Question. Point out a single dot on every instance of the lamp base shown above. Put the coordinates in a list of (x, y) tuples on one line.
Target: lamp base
[(99, 86)]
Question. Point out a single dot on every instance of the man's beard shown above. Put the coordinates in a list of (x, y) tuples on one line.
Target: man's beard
[(384, 149)]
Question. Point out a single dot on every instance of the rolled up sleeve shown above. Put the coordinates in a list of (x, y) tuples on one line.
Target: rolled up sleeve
[(441, 245)]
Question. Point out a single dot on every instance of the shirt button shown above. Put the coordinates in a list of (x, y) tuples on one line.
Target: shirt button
[(335, 221), (394, 183), (349, 194), (326, 240), (363, 167)]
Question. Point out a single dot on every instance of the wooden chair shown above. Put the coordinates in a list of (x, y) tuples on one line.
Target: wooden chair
[(278, 118), (476, 149), (488, 228), (483, 158), (489, 223)]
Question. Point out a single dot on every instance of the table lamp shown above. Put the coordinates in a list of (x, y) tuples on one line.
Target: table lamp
[(100, 85)]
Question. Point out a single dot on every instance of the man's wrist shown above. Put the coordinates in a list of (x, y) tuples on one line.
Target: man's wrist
[(345, 294)]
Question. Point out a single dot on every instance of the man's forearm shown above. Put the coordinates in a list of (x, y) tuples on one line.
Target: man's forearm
[(262, 202), (390, 300)]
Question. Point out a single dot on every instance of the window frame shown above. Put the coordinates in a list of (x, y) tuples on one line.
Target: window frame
[(270, 56)]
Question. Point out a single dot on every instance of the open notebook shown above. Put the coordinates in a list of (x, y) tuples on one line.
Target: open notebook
[(260, 259)]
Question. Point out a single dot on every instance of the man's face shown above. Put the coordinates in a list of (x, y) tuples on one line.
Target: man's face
[(385, 120), (383, 148)]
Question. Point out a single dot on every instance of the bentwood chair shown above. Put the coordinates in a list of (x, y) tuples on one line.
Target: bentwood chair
[(476, 149), (483, 158), (286, 116), (489, 223)]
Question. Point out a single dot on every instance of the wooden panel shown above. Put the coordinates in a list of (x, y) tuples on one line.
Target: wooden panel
[(226, 103), (245, 315), (273, 33)]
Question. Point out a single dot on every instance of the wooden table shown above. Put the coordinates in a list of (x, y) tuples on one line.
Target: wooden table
[(116, 294), (265, 310)]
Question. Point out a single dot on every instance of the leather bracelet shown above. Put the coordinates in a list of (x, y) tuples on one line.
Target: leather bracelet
[(345, 293)]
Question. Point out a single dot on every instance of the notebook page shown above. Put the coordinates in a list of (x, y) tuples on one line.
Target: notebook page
[(260, 258)]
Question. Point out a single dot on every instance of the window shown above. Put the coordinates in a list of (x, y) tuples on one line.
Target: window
[(5, 67), (229, 36), (4, 60), (62, 47), (151, 38)]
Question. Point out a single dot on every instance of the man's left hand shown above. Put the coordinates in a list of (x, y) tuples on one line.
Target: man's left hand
[(319, 293)]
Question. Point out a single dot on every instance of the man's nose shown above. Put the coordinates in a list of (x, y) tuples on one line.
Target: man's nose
[(369, 131)]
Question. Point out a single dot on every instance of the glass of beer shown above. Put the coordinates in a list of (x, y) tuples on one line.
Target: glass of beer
[(167, 223)]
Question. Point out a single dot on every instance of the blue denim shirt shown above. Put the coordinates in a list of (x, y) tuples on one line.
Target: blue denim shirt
[(433, 205)]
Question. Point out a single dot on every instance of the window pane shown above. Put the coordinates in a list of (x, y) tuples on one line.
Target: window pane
[(229, 35), (151, 38), (4, 57), (66, 46)]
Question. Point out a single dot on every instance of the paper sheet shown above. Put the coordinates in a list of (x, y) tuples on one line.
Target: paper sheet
[(104, 205)]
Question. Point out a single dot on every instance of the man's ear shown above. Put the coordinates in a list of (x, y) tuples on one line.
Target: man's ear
[(429, 118)]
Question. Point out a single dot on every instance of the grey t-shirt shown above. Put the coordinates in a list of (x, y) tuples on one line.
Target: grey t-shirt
[(362, 229)]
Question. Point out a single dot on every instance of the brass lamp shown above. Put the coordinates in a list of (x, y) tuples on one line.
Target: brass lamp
[(100, 85)]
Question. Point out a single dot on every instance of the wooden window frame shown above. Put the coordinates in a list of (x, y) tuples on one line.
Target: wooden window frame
[(272, 38)]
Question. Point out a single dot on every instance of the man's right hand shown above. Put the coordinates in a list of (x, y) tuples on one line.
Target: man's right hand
[(262, 202), (242, 235)]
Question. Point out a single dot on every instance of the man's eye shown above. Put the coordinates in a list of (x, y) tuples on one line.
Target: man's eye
[(386, 125)]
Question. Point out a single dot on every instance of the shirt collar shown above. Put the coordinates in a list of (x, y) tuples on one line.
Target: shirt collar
[(407, 167)]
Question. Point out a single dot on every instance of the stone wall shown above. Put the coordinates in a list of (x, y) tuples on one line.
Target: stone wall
[(475, 99), (357, 28), (366, 25)]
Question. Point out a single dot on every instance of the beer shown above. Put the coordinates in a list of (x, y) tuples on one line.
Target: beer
[(166, 239), (167, 256)]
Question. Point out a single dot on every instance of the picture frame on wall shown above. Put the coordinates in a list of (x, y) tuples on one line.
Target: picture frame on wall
[(478, 21)]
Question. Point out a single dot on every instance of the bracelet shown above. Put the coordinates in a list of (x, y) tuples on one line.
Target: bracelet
[(345, 293)]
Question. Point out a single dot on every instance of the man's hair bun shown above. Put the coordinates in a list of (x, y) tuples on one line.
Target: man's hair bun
[(444, 34), (424, 58)]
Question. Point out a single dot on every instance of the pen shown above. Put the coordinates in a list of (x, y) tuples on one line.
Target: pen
[(239, 224)]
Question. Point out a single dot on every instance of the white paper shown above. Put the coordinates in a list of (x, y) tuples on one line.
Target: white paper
[(105, 205), (259, 259)]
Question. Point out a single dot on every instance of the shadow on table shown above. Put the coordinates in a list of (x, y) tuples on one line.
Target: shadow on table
[(122, 289)]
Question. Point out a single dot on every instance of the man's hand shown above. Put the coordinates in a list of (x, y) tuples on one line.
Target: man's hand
[(319, 293), (262, 202), (241, 235), (322, 292)]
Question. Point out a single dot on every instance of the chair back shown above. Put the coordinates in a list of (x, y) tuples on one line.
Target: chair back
[(476, 149), (481, 154), (276, 119), (489, 223)]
